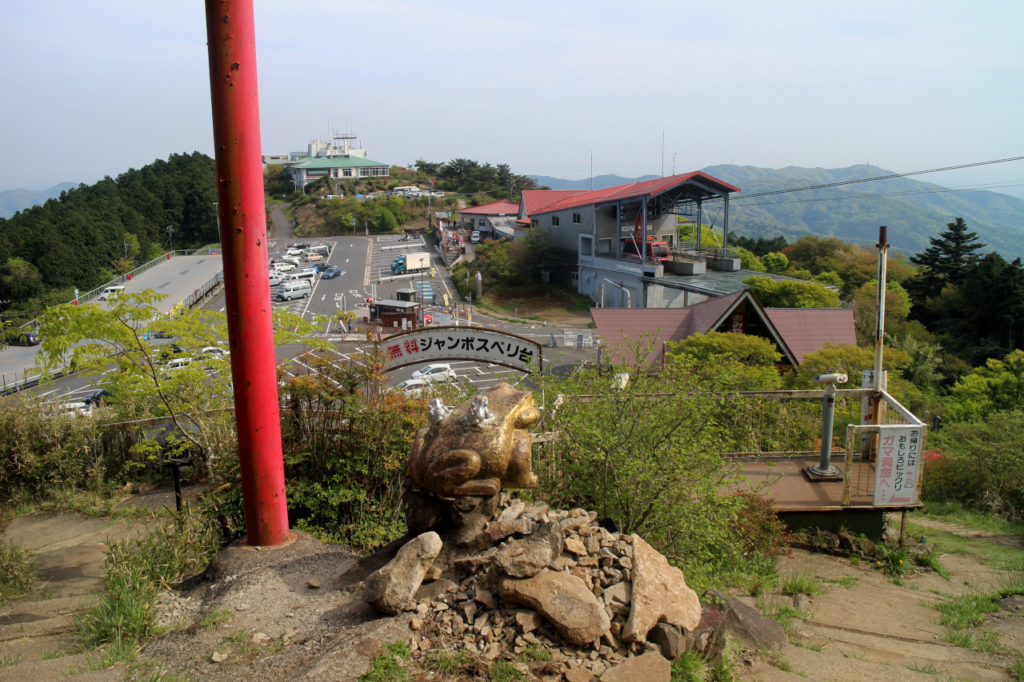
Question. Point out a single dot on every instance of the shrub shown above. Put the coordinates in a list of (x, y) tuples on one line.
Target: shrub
[(775, 263), (981, 464), (17, 571)]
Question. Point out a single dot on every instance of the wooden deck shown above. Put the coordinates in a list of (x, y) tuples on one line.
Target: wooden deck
[(784, 482)]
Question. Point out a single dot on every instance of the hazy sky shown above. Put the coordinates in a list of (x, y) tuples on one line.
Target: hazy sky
[(93, 88)]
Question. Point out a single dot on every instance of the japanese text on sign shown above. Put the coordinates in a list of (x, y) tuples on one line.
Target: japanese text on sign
[(896, 471), (454, 343)]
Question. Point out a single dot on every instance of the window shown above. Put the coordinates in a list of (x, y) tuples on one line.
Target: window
[(604, 246), (481, 222), (534, 223), (586, 246), (577, 219), (346, 172), (554, 221)]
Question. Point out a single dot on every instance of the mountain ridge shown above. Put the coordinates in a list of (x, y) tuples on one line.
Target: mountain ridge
[(14, 200)]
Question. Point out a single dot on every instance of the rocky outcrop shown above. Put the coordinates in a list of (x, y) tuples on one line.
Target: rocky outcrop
[(650, 667), (393, 586), (659, 594), (564, 600), (727, 615), (526, 557)]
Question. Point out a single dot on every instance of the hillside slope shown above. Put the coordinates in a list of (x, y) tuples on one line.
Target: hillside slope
[(600, 181), (14, 200)]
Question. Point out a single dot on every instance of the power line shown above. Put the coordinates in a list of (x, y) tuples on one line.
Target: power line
[(890, 176), (967, 188)]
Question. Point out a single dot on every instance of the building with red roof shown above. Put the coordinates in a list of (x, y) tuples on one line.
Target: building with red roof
[(497, 218), (628, 235)]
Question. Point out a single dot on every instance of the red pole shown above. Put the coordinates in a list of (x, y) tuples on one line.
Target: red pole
[(231, 41)]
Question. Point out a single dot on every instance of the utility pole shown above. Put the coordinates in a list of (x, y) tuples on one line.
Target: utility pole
[(662, 152), (231, 43), (673, 163)]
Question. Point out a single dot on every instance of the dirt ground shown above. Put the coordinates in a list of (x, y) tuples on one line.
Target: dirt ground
[(295, 614), (552, 305)]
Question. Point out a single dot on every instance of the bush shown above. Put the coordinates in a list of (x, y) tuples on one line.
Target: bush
[(651, 466), (17, 571), (981, 464), (775, 263), (791, 294)]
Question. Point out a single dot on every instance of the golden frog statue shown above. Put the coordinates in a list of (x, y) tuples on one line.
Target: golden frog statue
[(477, 448)]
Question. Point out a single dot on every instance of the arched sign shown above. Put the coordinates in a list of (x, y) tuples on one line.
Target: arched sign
[(431, 344)]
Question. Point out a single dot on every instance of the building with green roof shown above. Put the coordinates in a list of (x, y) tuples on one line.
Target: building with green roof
[(339, 167)]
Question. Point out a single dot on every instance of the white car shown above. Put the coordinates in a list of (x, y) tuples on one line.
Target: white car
[(294, 260), (435, 373), (475, 237), (275, 278), (281, 266), (413, 388), (294, 252), (216, 353), (75, 408)]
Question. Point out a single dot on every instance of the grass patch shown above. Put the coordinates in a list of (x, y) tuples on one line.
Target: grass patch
[(894, 562), (777, 661), (783, 614), (801, 582), (7, 661), (215, 617), (124, 616), (956, 513), (846, 582), (691, 667), (854, 560), (929, 560), (117, 651), (803, 644), (535, 652), (242, 641), (17, 571), (928, 669), (965, 611), (391, 666), (983, 640), (503, 671), (448, 663), (1016, 670)]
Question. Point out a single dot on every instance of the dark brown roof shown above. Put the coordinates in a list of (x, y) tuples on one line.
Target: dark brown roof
[(807, 329), (801, 330)]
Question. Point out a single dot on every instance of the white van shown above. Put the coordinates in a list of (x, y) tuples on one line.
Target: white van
[(321, 250), (301, 275), (110, 292), (294, 289)]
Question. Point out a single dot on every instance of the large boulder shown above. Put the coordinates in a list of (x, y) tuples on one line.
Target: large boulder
[(651, 667), (724, 614), (659, 594), (526, 557), (564, 600), (394, 585)]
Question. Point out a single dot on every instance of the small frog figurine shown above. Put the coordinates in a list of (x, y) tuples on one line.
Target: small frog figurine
[(478, 447)]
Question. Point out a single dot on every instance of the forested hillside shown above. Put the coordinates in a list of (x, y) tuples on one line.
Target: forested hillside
[(913, 210), (82, 238)]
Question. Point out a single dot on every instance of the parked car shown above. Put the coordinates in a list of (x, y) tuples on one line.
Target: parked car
[(300, 245), (281, 266), (96, 398), (294, 252), (321, 267), (313, 257), (475, 237), (167, 352), (291, 290), (330, 273), (216, 353), (435, 373), (294, 260), (413, 388), (275, 278), (110, 292), (75, 408), (25, 337)]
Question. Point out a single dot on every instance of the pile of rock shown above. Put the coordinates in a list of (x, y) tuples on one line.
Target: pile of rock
[(542, 578)]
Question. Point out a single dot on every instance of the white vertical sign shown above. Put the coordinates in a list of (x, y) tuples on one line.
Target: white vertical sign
[(896, 469)]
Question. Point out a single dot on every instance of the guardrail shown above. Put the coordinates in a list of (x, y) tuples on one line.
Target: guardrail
[(203, 291)]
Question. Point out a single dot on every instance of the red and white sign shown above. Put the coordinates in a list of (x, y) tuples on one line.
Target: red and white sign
[(896, 470), (738, 323)]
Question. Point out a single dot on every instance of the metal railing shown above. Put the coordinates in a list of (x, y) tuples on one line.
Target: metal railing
[(200, 293)]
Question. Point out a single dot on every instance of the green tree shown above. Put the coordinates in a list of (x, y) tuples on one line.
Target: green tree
[(20, 280), (386, 221), (791, 294), (816, 254), (749, 261), (865, 309), (749, 350), (775, 263), (948, 260), (997, 386), (829, 278)]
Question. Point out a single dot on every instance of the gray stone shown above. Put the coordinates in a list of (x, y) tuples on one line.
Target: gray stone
[(431, 591), (527, 620), (563, 600), (659, 594), (728, 615), (651, 667), (526, 557), (669, 638), (619, 592), (394, 585)]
